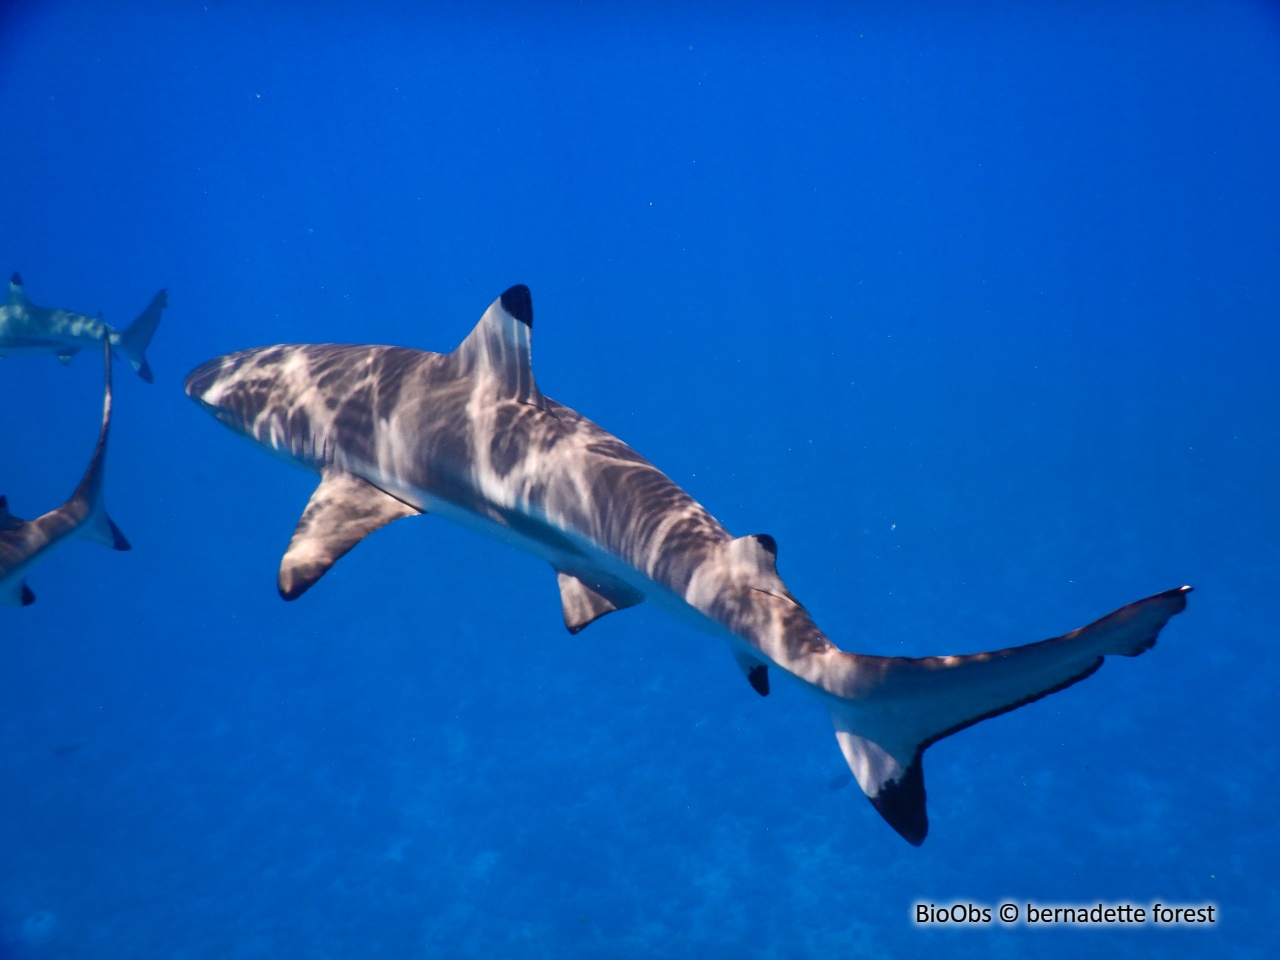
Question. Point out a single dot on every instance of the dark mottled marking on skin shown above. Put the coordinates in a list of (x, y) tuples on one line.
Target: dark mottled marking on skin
[(331, 378), (615, 450), (352, 422), (509, 444), (395, 370), (518, 302)]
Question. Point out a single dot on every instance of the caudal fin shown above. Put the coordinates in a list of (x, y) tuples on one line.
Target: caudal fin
[(97, 526), (896, 707), (132, 341)]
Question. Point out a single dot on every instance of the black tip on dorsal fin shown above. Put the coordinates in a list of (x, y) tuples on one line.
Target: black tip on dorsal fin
[(902, 804), (770, 544), (16, 278), (518, 302)]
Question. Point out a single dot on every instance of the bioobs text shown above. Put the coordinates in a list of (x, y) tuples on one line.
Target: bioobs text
[(956, 913)]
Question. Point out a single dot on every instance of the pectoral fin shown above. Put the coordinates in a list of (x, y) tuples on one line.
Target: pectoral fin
[(343, 511), (584, 602)]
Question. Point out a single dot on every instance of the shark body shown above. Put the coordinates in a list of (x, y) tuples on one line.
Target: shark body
[(28, 329), (24, 542), (467, 435)]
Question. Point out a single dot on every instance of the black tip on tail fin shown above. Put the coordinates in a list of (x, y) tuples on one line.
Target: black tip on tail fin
[(899, 706), (902, 804), (118, 539)]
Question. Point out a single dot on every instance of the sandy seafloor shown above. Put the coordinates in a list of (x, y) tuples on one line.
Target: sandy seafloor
[(973, 307)]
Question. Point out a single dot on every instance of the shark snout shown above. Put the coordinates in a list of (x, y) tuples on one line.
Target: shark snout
[(213, 386), (209, 383), (201, 380)]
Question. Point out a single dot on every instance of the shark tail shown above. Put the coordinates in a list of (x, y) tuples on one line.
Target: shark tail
[(897, 707), (98, 526), (132, 341)]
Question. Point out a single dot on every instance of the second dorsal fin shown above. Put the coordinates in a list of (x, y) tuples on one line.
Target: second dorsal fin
[(499, 346)]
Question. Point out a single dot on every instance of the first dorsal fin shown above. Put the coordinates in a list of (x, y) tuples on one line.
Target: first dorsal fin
[(17, 294), (343, 511), (499, 346)]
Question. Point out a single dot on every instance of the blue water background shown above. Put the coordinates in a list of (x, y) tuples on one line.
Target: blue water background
[(973, 307)]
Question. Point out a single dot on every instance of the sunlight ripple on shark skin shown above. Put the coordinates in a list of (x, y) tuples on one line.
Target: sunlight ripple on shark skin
[(467, 435)]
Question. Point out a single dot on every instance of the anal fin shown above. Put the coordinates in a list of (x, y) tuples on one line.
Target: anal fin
[(343, 511), (17, 595), (585, 600), (756, 671)]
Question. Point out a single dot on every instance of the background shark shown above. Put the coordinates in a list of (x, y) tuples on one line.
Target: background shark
[(27, 328), (468, 435), (23, 542)]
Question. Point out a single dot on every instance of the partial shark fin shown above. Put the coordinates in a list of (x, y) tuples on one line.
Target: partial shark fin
[(584, 603), (756, 558), (755, 670), (17, 595), (99, 527), (7, 520), (132, 341), (342, 511), (17, 293), (499, 346), (899, 706)]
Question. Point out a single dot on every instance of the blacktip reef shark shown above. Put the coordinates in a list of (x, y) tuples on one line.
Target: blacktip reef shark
[(26, 328), (23, 542), (468, 436)]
